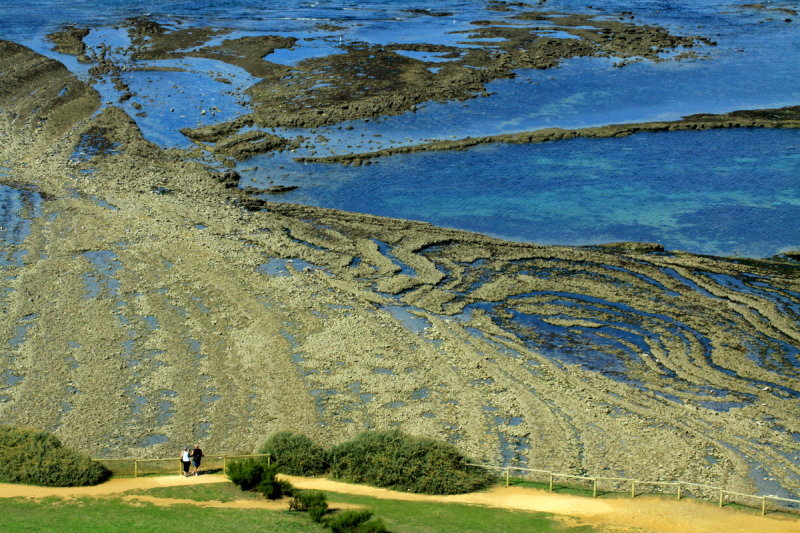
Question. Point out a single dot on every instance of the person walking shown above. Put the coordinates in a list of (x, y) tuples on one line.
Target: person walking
[(185, 460), (197, 456)]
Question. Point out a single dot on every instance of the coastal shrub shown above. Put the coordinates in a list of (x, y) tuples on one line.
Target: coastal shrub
[(306, 499), (38, 458), (256, 474), (246, 473), (314, 502), (296, 455), (374, 525), (349, 521), (318, 511), (417, 464), (273, 488), (356, 521)]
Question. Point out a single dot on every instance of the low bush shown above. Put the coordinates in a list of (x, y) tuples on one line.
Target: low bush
[(374, 525), (315, 502), (246, 473), (307, 499), (318, 512), (417, 464), (296, 455), (355, 521), (255, 474), (38, 458), (273, 488)]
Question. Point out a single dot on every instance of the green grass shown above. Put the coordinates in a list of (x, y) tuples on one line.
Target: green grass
[(224, 492), (112, 516), (434, 517), (578, 491), (587, 492), (403, 516), (558, 489)]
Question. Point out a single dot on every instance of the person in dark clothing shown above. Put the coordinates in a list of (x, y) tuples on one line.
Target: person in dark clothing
[(197, 456), (185, 460)]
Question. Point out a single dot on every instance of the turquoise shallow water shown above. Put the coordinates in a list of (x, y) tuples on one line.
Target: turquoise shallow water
[(727, 192)]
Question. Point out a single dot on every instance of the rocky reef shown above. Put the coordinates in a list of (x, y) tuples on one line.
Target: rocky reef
[(153, 301)]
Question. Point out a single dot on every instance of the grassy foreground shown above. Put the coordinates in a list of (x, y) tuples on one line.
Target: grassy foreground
[(430, 517), (402, 516), (113, 515)]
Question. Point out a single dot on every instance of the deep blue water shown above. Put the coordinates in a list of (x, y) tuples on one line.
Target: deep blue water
[(728, 192)]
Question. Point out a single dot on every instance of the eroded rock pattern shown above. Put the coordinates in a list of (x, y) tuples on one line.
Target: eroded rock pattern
[(147, 303)]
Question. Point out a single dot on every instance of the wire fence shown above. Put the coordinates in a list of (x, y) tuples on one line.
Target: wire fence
[(599, 485), (131, 466)]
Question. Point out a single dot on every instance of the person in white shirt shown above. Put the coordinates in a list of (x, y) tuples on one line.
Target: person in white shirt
[(185, 460)]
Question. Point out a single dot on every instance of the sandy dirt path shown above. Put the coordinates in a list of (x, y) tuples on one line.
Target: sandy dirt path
[(616, 514), (111, 487)]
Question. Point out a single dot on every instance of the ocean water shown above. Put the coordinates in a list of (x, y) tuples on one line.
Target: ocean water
[(753, 65), (727, 192), (720, 192)]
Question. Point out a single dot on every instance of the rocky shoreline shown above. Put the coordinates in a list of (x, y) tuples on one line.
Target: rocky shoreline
[(367, 80), (155, 302)]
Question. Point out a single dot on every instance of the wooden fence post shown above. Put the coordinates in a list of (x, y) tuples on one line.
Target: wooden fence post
[(135, 468), (551, 482), (720, 498), (594, 488), (633, 489), (763, 505), (269, 459), (508, 470), (224, 464)]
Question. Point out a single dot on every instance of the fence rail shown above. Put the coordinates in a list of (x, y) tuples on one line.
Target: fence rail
[(680, 488), (163, 465)]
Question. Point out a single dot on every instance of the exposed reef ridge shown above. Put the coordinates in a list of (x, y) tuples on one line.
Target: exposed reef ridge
[(369, 80), (69, 40), (152, 301), (363, 80), (785, 117)]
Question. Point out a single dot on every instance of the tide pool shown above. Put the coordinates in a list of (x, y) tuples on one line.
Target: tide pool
[(17, 210)]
